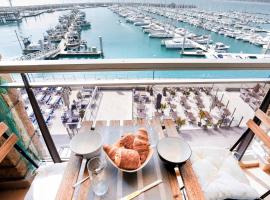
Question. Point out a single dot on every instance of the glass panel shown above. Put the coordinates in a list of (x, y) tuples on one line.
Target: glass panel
[(213, 74), (137, 75), (202, 105)]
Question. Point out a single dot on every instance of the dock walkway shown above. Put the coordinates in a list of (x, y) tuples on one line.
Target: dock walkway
[(63, 52), (40, 55)]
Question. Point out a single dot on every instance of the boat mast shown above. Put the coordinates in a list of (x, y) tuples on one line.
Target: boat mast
[(10, 3), (177, 9), (18, 39), (184, 41), (164, 20), (208, 41), (267, 47)]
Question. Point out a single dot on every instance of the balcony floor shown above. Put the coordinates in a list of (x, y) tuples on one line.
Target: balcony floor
[(222, 137)]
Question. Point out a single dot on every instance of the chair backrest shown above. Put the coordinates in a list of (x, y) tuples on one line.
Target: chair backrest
[(258, 131), (9, 142), (262, 135)]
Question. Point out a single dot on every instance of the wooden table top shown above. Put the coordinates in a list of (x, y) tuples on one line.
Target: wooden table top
[(122, 184)]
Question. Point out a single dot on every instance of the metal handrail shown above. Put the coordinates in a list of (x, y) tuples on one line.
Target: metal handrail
[(133, 82), (99, 65)]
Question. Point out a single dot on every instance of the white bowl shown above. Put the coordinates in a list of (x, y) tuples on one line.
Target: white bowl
[(87, 145), (151, 152)]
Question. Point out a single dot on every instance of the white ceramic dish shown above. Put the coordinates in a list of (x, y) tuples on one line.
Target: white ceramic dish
[(151, 152), (87, 145), (173, 150)]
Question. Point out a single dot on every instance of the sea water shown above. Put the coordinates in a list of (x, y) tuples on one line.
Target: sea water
[(219, 5), (122, 40)]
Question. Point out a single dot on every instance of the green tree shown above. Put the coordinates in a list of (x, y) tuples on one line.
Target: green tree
[(163, 106), (201, 115), (180, 122)]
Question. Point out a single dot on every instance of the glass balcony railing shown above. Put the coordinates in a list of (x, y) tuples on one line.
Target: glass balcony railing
[(145, 75), (209, 95)]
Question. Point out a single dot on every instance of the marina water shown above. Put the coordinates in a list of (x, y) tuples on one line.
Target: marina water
[(123, 40)]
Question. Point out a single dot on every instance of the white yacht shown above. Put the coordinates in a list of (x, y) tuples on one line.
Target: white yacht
[(154, 29), (177, 43), (142, 23), (73, 40), (132, 19), (161, 34), (246, 38), (266, 46), (180, 31), (202, 39), (40, 46), (56, 36), (83, 24), (219, 47), (74, 27)]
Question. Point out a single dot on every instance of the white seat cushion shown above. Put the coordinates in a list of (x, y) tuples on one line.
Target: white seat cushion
[(219, 175), (46, 182)]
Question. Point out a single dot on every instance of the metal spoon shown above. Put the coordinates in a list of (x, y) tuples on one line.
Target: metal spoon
[(81, 181)]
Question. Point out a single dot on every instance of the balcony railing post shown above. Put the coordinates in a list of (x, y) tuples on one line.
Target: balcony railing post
[(41, 122), (240, 121)]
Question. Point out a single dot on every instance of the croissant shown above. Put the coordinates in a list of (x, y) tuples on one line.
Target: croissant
[(143, 156), (110, 150), (141, 144), (127, 159), (143, 152), (142, 134), (127, 141)]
